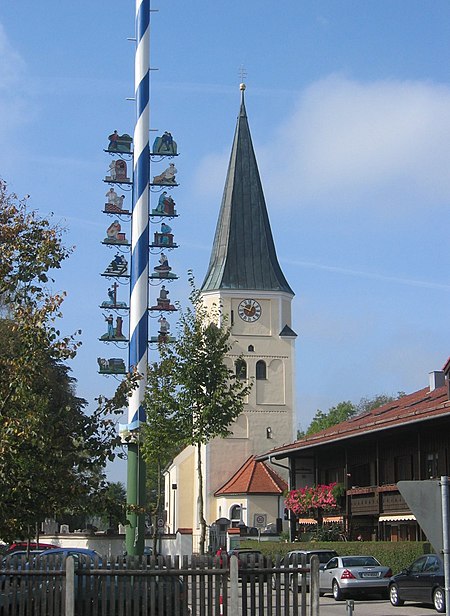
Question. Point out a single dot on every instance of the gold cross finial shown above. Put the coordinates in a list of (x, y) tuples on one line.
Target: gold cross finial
[(242, 75)]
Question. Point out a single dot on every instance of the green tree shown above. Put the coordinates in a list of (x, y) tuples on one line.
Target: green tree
[(163, 435), (111, 507), (336, 414), (51, 452), (209, 396), (343, 411)]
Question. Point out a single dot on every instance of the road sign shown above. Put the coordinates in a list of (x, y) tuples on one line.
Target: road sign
[(425, 501)]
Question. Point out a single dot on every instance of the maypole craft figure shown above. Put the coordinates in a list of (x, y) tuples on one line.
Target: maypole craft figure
[(166, 205), (163, 270), (114, 365), (119, 143), (117, 267), (167, 176), (114, 234), (165, 145), (163, 301), (112, 301), (114, 204), (113, 333), (118, 172), (164, 237)]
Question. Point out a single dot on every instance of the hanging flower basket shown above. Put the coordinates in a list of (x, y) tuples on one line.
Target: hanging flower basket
[(312, 501)]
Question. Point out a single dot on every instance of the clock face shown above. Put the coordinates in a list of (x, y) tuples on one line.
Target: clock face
[(249, 310)]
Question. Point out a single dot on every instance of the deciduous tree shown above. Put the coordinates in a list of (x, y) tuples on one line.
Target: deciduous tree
[(51, 452), (209, 396)]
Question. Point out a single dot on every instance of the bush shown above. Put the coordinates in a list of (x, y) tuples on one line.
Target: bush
[(396, 555)]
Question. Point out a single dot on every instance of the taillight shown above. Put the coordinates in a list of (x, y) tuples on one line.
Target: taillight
[(388, 573), (347, 575)]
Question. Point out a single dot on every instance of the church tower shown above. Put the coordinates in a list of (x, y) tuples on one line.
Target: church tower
[(245, 279)]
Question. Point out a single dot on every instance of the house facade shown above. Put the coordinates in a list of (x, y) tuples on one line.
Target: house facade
[(407, 439)]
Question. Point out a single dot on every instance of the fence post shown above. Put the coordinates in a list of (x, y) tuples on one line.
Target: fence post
[(70, 586), (234, 586), (314, 586)]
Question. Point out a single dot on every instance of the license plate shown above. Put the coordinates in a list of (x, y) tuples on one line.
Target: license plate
[(370, 574)]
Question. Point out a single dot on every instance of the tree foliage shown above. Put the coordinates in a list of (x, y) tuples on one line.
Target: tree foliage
[(51, 452), (343, 411), (205, 395), (163, 435)]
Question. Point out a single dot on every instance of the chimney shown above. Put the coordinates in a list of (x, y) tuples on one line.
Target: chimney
[(437, 379)]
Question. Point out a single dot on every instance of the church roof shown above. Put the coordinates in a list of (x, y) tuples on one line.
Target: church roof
[(243, 255), (253, 478)]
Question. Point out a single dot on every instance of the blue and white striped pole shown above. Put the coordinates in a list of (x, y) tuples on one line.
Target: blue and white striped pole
[(139, 270)]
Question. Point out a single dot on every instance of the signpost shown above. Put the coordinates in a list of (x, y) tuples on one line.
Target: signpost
[(428, 500)]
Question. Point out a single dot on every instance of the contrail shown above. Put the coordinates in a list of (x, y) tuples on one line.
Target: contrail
[(371, 275)]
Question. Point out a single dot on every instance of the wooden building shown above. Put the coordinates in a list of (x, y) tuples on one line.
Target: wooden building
[(407, 439)]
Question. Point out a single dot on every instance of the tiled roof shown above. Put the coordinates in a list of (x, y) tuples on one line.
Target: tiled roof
[(253, 478), (419, 406)]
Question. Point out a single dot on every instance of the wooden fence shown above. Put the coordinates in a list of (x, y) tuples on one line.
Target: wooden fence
[(162, 586)]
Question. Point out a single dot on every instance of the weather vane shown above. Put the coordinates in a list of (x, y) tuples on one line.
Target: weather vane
[(242, 73)]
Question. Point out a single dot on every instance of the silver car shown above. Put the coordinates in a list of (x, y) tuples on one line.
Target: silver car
[(347, 575), (293, 560)]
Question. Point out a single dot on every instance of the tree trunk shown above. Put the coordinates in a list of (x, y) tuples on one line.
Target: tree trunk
[(157, 511), (200, 501)]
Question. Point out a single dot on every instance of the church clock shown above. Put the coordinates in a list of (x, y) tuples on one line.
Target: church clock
[(249, 310)]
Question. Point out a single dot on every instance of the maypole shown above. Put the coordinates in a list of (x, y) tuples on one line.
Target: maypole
[(139, 272)]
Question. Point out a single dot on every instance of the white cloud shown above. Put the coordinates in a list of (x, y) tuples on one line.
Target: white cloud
[(13, 109), (349, 139), (348, 145)]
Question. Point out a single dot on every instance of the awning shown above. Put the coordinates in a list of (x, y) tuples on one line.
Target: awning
[(307, 521), (333, 519), (399, 517)]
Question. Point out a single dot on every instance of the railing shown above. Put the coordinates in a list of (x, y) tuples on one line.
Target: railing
[(188, 586)]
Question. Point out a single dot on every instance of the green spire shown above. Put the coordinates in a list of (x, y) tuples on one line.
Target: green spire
[(243, 255)]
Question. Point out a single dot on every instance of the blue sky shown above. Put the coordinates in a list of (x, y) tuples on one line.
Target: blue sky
[(349, 108)]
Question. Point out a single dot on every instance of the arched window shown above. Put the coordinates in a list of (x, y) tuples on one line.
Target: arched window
[(241, 369), (261, 370), (235, 515), (251, 348)]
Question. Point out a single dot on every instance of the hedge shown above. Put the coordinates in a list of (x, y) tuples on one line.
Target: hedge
[(396, 555)]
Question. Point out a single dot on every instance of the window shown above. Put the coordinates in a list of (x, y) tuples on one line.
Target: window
[(241, 369), (403, 468), (432, 466), (261, 370), (235, 515), (251, 348)]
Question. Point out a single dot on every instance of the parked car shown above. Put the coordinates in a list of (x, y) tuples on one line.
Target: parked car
[(121, 590), (294, 559), (22, 546), (423, 581), (80, 555), (349, 575)]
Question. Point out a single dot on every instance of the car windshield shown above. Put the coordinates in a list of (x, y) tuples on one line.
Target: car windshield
[(324, 557), (249, 554), (360, 561)]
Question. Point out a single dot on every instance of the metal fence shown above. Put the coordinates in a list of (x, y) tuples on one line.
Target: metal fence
[(162, 586)]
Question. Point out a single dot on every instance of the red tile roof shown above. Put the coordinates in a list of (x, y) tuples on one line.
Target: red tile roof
[(419, 406), (253, 478)]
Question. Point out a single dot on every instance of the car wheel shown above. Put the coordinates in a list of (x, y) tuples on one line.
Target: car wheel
[(337, 592), (394, 597), (439, 600)]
